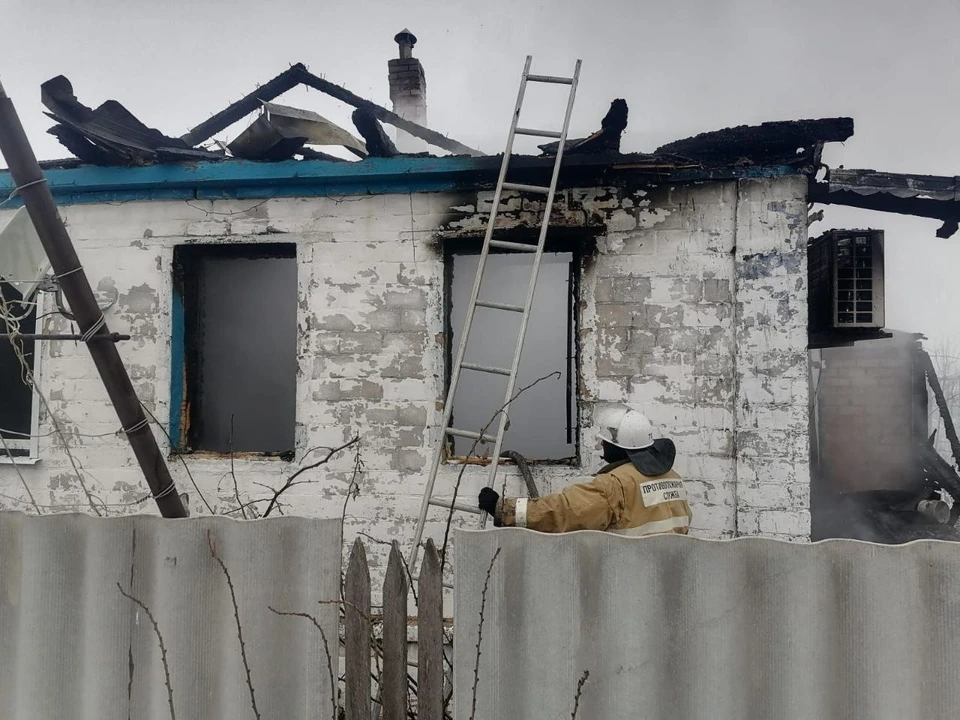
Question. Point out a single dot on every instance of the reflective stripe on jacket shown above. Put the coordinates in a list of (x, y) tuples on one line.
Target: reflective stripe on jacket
[(620, 499)]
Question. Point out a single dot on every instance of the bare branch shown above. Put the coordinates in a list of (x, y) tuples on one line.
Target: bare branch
[(233, 475), (163, 648), (463, 467), (576, 698), (326, 649), (354, 488), (236, 615), (292, 480), (483, 607), (347, 603), (250, 503)]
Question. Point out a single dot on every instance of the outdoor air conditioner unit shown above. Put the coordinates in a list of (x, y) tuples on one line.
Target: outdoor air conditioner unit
[(845, 273)]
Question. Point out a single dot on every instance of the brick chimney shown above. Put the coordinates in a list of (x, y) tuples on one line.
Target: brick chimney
[(408, 91)]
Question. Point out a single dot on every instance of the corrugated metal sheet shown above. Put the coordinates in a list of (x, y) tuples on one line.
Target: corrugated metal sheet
[(675, 627), (71, 646), (870, 182)]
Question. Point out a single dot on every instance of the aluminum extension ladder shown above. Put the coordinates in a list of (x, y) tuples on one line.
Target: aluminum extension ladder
[(509, 373)]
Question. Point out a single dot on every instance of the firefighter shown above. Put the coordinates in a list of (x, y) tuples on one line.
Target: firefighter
[(636, 493)]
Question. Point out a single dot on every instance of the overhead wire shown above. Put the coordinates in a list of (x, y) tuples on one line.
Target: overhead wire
[(12, 326), (26, 376)]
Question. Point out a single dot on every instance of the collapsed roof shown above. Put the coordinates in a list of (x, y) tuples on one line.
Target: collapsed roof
[(111, 135)]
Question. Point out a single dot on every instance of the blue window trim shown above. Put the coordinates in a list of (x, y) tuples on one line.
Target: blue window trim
[(177, 361)]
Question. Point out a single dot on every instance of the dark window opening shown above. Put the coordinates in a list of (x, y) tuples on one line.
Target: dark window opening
[(239, 366), (543, 420), (16, 395), (845, 274)]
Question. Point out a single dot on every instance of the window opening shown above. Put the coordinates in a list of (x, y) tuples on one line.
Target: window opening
[(18, 410), (543, 420), (238, 374)]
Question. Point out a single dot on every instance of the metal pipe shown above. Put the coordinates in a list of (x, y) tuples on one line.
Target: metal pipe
[(112, 337), (38, 200)]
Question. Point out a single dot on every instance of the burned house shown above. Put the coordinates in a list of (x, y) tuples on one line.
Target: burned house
[(281, 301), (874, 469)]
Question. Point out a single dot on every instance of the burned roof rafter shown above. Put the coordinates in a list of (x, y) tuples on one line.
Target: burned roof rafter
[(299, 75), (787, 142), (930, 196), (606, 139)]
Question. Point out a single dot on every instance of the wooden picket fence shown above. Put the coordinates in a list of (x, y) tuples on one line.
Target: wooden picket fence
[(393, 679)]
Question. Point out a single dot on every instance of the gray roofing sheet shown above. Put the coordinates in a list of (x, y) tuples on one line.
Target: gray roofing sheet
[(74, 647), (871, 182), (676, 627)]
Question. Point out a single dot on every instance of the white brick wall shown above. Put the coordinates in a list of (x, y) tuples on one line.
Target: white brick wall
[(693, 306)]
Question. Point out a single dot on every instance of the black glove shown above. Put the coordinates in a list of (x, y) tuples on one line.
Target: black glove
[(488, 500)]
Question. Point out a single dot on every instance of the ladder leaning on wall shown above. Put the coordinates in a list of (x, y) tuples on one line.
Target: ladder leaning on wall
[(460, 364)]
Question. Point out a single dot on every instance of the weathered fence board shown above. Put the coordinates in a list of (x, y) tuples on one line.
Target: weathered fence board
[(393, 681), (430, 638), (357, 634)]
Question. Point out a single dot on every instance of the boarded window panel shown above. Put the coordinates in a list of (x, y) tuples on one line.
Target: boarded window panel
[(539, 417), (16, 398), (242, 343)]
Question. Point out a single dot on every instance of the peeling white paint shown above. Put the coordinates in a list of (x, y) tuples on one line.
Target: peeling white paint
[(694, 306)]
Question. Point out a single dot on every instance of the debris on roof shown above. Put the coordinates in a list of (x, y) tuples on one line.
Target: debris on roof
[(111, 134), (378, 144), (929, 196), (606, 139), (314, 127), (281, 132), (790, 142), (266, 142), (299, 75)]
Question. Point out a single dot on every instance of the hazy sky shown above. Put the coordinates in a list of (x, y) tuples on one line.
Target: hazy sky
[(683, 66)]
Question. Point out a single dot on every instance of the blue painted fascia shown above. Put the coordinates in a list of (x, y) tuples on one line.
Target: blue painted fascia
[(316, 178)]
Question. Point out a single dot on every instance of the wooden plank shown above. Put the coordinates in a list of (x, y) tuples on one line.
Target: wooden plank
[(949, 429), (430, 638), (357, 632), (394, 679)]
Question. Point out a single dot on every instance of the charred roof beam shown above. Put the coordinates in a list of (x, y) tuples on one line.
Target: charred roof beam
[(299, 75), (948, 213), (789, 142)]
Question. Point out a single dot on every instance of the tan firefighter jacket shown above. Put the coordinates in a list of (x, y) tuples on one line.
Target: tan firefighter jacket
[(620, 499)]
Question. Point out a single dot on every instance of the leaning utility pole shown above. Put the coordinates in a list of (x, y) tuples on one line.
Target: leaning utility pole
[(37, 198)]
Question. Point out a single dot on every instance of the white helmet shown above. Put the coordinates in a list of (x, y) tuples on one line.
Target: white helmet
[(625, 428)]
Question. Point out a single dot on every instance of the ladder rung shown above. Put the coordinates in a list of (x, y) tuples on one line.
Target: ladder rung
[(470, 435), (499, 306), (522, 247), (485, 368), (539, 133), (550, 79), (519, 187), (444, 503)]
